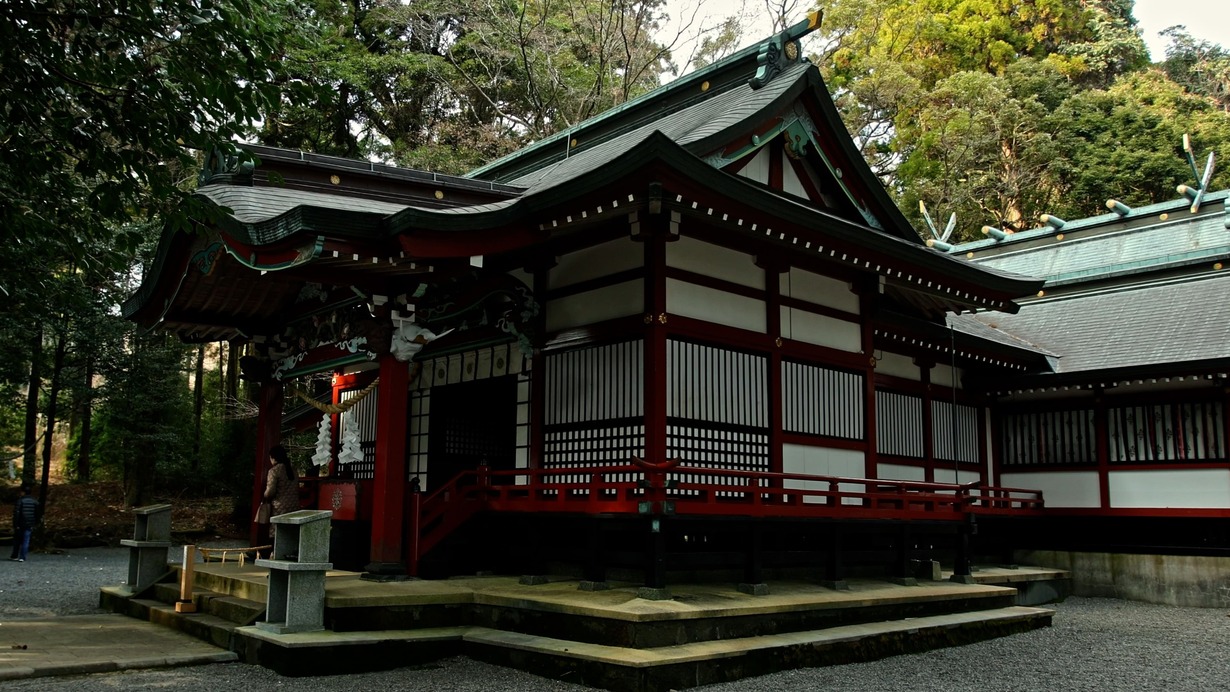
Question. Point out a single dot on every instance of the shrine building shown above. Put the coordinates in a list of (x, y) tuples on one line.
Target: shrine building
[(695, 333)]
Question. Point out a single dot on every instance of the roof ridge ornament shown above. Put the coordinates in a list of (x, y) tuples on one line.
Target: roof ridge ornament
[(783, 50), (226, 163), (1196, 195), (938, 240)]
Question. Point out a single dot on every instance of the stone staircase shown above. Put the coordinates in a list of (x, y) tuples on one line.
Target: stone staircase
[(218, 616), (610, 639)]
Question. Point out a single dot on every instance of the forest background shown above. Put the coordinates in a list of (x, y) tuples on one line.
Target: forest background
[(993, 110)]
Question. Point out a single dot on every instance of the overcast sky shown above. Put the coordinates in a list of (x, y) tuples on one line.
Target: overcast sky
[(1204, 19)]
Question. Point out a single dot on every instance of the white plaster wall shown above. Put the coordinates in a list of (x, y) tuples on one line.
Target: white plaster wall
[(898, 365), (758, 168), (1179, 488), (594, 262), (791, 182), (714, 261), (821, 330), (944, 475), (1059, 488), (597, 305), (711, 305), (524, 277), (943, 375), (822, 461), (818, 289), (900, 472)]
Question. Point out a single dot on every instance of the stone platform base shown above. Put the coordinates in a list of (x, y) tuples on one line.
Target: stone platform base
[(613, 639)]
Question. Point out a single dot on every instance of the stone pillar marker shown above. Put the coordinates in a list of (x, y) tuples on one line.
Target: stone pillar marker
[(296, 601), (147, 549)]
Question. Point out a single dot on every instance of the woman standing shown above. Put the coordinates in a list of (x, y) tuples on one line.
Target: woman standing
[(281, 486)]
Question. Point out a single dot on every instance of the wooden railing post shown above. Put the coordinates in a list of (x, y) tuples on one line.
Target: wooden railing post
[(595, 489), (961, 568), (186, 604), (416, 517)]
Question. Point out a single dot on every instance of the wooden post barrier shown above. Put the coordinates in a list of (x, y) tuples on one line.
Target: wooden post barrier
[(185, 604)]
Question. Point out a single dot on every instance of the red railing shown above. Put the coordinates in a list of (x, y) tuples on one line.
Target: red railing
[(670, 488)]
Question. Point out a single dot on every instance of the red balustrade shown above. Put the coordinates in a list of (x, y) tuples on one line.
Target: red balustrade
[(644, 488)]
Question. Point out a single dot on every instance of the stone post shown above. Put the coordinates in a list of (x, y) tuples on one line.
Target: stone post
[(296, 601), (147, 549)]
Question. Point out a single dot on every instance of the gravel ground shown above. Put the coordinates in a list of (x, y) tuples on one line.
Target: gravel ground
[(1095, 644)]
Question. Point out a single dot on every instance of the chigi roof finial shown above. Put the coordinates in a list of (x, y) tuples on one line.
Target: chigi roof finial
[(938, 240), (1196, 195), (783, 49)]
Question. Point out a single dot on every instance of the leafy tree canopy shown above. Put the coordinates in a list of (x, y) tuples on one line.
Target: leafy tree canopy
[(449, 84), (1001, 111), (105, 102)]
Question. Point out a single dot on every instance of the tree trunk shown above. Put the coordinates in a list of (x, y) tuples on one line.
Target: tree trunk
[(198, 395), (85, 413), (220, 402), (49, 432), (232, 377), (36, 383)]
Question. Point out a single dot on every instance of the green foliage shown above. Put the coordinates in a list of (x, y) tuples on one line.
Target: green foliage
[(981, 143), (1116, 48), (446, 85), (1000, 111), (146, 421), (1126, 142), (103, 103), (1200, 67)]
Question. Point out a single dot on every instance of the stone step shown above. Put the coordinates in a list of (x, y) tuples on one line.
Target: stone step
[(626, 669), (216, 621), (697, 613), (253, 588), (203, 626), (690, 665), (240, 611)]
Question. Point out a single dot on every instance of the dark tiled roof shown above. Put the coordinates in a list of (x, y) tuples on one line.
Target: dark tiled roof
[(731, 72), (255, 204), (975, 326), (1166, 322), (691, 124)]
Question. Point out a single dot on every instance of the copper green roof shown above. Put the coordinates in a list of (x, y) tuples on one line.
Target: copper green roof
[(1153, 238)]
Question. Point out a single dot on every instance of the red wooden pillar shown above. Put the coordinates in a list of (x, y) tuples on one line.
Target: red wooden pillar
[(1101, 432), (389, 488), (869, 298), (538, 374), (928, 421), (655, 238), (996, 411), (773, 327), (982, 404), (268, 434)]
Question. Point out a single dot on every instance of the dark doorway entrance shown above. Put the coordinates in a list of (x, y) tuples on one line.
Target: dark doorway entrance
[(471, 423)]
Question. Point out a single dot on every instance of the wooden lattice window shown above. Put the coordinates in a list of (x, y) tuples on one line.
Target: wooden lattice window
[(822, 401), (1191, 431), (1048, 438), (954, 435), (899, 424)]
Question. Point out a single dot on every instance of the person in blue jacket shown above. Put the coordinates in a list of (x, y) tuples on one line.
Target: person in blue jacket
[(25, 517)]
